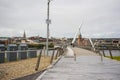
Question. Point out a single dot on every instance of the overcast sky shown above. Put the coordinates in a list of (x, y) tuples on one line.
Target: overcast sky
[(101, 18)]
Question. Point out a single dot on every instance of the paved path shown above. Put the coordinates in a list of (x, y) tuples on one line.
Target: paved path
[(83, 52), (84, 68)]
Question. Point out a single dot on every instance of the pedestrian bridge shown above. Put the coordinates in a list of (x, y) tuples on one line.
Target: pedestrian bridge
[(88, 66)]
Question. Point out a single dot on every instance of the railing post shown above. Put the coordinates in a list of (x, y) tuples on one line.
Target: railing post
[(101, 56), (110, 54), (57, 54), (44, 51), (5, 58), (27, 54), (2, 56), (8, 56), (52, 57), (75, 57), (60, 51), (38, 61), (99, 52), (103, 53)]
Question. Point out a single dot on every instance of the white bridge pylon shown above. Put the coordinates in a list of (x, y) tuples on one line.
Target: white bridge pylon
[(76, 34), (92, 44)]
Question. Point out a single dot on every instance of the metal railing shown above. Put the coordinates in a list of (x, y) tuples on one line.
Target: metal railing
[(17, 55), (54, 56), (103, 53)]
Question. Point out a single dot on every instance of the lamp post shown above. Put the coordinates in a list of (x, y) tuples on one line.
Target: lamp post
[(48, 21)]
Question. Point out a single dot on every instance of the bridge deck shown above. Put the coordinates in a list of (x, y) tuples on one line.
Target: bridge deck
[(86, 67)]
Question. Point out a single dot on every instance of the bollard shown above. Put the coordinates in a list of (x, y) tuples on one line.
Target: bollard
[(110, 54), (52, 57), (38, 61)]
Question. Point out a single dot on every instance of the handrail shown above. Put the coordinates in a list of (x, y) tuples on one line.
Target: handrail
[(38, 61)]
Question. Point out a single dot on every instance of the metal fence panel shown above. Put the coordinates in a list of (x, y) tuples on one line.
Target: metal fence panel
[(12, 56), (22, 55), (32, 54), (2, 57)]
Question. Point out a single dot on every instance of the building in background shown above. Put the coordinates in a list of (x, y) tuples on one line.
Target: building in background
[(104, 43), (5, 40)]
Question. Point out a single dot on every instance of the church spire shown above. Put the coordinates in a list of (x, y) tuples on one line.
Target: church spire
[(24, 34)]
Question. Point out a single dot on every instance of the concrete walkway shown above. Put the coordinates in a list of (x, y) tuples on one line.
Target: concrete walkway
[(87, 67)]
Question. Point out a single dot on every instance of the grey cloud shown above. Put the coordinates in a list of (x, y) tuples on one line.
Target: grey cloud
[(99, 16)]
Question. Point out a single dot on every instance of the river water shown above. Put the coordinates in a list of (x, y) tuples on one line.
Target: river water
[(50, 52), (114, 52)]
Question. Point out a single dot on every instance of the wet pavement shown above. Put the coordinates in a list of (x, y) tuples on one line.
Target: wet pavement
[(84, 68)]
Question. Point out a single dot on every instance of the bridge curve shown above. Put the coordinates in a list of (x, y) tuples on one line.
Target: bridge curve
[(88, 66)]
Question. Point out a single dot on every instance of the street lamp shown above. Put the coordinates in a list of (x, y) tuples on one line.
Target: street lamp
[(48, 21)]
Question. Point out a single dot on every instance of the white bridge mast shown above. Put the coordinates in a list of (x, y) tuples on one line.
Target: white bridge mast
[(76, 34)]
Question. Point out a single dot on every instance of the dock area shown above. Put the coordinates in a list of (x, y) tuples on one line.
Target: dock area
[(87, 66)]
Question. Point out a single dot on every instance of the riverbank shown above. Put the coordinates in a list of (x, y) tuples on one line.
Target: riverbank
[(115, 58), (21, 68)]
